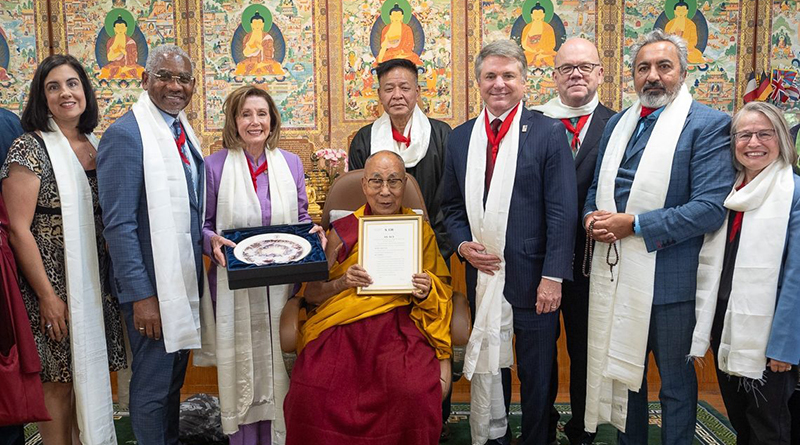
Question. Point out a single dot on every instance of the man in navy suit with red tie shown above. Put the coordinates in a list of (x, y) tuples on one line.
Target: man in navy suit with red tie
[(510, 206)]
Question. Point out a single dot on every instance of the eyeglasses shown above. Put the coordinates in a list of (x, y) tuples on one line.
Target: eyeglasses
[(167, 77), (761, 135), (377, 184), (584, 68)]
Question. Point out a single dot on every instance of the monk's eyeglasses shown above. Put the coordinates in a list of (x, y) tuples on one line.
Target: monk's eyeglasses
[(584, 68), (377, 184)]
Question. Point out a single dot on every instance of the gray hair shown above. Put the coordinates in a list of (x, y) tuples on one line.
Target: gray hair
[(163, 51), (658, 35), (502, 48), (786, 149)]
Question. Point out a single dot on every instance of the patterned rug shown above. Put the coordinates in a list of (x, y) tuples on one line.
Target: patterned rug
[(712, 427)]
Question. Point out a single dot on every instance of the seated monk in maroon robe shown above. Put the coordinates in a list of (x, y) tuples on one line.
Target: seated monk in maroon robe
[(368, 367)]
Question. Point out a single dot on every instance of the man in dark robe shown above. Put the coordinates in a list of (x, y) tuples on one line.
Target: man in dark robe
[(404, 129)]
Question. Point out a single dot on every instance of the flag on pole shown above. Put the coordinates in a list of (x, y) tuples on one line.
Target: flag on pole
[(764, 87), (783, 86), (751, 88)]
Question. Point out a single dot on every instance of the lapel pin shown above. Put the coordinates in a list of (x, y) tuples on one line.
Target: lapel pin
[(524, 128)]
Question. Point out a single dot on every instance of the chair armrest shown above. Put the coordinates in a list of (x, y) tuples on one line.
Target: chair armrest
[(461, 324), (289, 330)]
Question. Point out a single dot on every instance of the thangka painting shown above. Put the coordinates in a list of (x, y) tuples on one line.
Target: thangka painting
[(374, 31), (270, 44), (540, 27), (716, 36), (23, 42), (784, 57), (112, 39)]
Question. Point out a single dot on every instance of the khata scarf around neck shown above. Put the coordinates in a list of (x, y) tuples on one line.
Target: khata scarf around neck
[(619, 309), (170, 226), (91, 380), (253, 381), (766, 203), (490, 344), (559, 110), (381, 137)]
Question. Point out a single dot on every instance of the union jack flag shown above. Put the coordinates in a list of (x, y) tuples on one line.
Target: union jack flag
[(783, 86)]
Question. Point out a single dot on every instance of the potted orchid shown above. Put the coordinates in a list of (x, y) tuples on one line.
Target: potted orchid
[(328, 164)]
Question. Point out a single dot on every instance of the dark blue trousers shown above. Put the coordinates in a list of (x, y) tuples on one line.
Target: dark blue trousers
[(670, 339), (155, 392), (535, 350)]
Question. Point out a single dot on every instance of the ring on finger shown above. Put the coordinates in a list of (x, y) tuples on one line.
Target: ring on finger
[(141, 329), (48, 326)]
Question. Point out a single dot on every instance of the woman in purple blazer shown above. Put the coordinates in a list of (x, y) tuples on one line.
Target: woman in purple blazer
[(252, 379)]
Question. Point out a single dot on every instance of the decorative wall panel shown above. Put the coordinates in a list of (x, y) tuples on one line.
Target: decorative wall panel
[(24, 41), (781, 44), (278, 45), (112, 39), (715, 30), (540, 27), (365, 32)]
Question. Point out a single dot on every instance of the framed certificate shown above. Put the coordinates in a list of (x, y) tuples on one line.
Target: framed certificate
[(390, 250)]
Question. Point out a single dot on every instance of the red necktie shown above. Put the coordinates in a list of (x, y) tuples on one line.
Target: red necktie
[(575, 130), (397, 136), (737, 220), (646, 111), (495, 134), (254, 173), (180, 141)]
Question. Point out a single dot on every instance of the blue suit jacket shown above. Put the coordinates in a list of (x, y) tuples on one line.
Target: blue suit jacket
[(541, 221), (10, 129), (120, 176), (784, 339), (702, 176)]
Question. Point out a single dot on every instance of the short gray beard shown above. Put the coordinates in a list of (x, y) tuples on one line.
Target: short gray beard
[(661, 100)]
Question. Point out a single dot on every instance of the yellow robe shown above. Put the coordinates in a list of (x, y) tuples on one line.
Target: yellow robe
[(431, 315), (539, 48)]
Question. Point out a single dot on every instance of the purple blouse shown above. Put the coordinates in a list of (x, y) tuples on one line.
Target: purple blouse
[(214, 164)]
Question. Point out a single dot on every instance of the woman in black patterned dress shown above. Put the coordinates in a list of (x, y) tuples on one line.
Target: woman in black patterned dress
[(60, 96)]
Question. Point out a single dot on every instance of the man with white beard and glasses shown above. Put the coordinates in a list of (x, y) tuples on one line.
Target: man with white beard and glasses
[(663, 171)]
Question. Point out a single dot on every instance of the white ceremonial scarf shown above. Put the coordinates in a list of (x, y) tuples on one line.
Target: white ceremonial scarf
[(170, 226), (490, 343), (619, 310), (253, 381), (420, 128), (559, 110), (766, 202), (91, 380)]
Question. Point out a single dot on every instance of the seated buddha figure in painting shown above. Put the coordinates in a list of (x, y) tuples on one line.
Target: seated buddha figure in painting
[(539, 39), (122, 54), (683, 26), (397, 39), (258, 51)]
